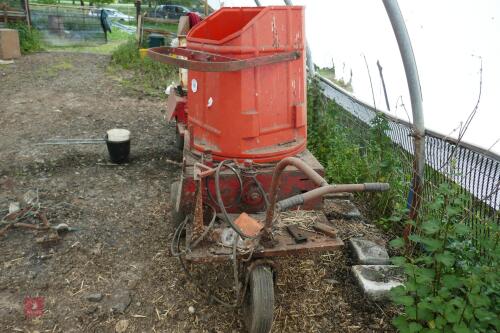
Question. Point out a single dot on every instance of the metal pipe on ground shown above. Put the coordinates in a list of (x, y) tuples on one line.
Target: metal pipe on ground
[(71, 142)]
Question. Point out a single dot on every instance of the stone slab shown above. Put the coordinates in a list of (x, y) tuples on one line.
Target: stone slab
[(376, 281), (368, 253), (343, 209)]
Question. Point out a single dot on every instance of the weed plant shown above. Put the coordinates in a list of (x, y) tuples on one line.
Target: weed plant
[(354, 152), (452, 278), (452, 281), (149, 76), (29, 38)]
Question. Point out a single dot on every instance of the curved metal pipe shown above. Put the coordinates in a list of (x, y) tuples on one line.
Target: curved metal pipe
[(300, 199), (413, 81), (278, 170)]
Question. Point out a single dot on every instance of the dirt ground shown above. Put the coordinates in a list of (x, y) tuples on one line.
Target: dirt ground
[(120, 248)]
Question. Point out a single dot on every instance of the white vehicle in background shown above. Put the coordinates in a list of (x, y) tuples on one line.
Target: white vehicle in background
[(112, 14)]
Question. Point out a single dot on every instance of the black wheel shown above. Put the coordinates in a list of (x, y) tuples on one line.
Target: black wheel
[(176, 213), (259, 301)]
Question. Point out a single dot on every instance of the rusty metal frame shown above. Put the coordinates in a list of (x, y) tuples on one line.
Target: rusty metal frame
[(284, 247), (211, 62)]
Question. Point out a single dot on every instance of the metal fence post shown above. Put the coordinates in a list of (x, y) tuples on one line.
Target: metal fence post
[(413, 81), (27, 12), (383, 85), (137, 10)]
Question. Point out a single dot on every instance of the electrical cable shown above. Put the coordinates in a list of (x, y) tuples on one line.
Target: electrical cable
[(175, 245), (179, 253), (240, 181), (221, 203), (177, 234), (235, 271), (261, 189), (206, 231)]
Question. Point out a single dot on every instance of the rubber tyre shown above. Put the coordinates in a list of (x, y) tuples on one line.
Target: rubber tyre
[(259, 301), (177, 216)]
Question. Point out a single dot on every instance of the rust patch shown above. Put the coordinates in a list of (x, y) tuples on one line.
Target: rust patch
[(198, 212)]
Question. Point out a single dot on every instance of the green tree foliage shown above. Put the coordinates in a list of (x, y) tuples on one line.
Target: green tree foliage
[(48, 2), (99, 3)]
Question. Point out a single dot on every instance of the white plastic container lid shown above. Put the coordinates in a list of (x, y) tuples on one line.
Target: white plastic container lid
[(118, 135)]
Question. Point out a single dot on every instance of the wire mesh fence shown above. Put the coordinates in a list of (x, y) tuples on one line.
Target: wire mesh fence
[(65, 25), (472, 171), (12, 4), (11, 11)]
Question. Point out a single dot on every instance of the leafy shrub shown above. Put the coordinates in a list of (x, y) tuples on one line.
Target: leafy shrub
[(452, 284), (29, 39), (354, 152), (127, 55), (452, 278), (150, 76)]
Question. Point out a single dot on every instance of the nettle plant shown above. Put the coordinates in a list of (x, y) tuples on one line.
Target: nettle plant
[(452, 278)]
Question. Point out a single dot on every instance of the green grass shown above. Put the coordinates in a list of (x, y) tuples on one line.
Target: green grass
[(54, 70), (172, 27), (115, 40), (149, 77)]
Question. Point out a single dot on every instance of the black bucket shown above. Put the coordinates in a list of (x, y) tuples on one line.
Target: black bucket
[(118, 151)]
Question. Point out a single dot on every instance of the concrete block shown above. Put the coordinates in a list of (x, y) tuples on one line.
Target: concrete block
[(368, 253), (376, 281), (9, 44), (14, 207), (344, 209)]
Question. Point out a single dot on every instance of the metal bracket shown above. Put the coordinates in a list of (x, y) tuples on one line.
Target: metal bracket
[(211, 62), (297, 235)]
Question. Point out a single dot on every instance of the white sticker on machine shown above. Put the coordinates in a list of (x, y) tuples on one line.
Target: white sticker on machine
[(194, 85)]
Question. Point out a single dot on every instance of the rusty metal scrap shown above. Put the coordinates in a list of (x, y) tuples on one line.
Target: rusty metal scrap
[(48, 239), (248, 225), (325, 229), (13, 220)]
